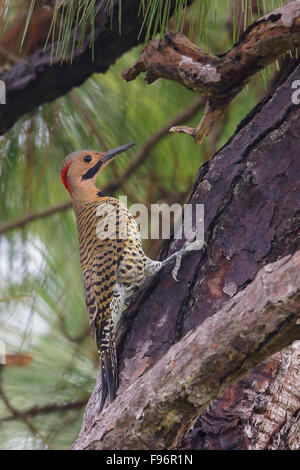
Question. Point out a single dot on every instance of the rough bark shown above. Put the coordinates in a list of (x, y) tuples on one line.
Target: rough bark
[(251, 193), (42, 77), (260, 412), (167, 399), (220, 78)]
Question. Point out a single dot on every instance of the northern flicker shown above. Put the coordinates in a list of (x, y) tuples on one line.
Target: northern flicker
[(112, 259)]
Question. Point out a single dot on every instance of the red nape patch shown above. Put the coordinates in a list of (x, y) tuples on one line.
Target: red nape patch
[(64, 178)]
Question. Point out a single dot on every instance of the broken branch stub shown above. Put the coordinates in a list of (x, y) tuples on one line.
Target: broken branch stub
[(219, 78)]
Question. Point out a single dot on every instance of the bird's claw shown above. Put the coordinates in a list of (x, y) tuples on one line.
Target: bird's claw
[(176, 267), (193, 245)]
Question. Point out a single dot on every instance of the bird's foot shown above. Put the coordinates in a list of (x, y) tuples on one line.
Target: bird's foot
[(191, 245), (177, 266)]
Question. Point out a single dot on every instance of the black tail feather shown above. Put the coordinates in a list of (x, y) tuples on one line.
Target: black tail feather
[(110, 369), (103, 389), (109, 375)]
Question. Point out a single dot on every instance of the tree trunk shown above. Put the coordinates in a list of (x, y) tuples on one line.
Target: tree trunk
[(251, 193)]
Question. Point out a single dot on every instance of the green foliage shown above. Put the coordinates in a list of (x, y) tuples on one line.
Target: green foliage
[(42, 310), (79, 16)]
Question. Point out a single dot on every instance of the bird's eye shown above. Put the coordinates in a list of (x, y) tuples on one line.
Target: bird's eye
[(87, 158)]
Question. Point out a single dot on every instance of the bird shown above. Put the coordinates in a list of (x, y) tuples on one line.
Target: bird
[(114, 265)]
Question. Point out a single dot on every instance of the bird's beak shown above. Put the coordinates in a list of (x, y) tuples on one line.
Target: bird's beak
[(104, 159), (114, 152)]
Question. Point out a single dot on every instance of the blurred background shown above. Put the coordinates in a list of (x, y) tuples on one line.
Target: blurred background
[(51, 359)]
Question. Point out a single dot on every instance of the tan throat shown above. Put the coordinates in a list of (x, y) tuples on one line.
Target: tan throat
[(86, 192)]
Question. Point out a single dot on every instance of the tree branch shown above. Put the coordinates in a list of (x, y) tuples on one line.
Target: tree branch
[(45, 409), (42, 77), (18, 415), (262, 319), (19, 223), (220, 78)]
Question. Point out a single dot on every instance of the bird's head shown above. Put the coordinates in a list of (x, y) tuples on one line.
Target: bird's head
[(80, 169)]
